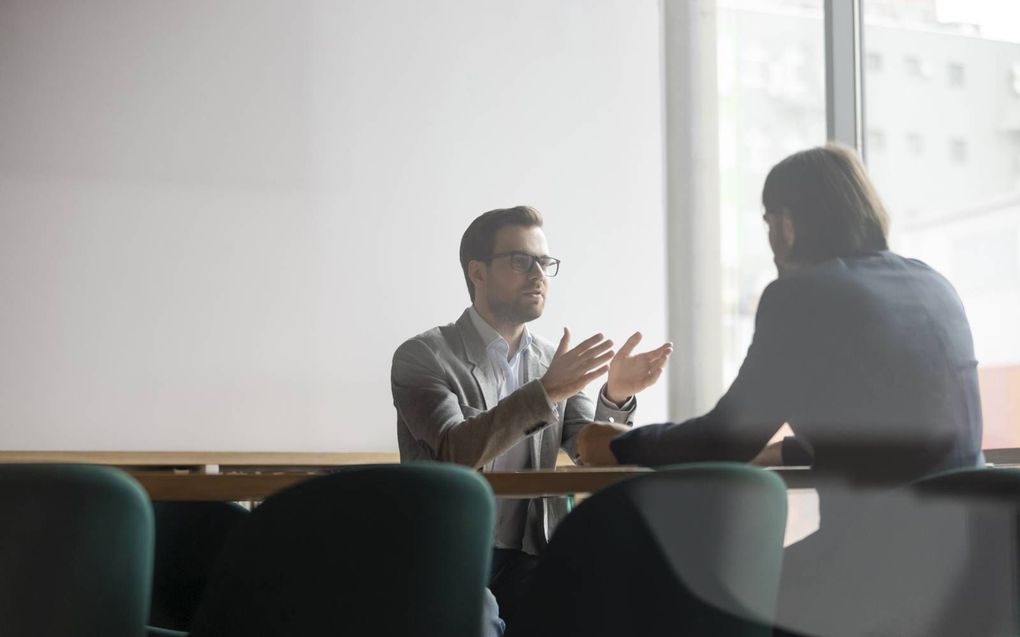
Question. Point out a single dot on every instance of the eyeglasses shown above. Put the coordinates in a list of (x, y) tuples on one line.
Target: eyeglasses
[(524, 262)]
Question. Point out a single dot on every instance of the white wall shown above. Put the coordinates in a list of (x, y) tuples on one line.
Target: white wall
[(218, 219)]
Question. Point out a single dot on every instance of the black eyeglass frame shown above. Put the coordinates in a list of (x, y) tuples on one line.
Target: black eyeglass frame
[(544, 262)]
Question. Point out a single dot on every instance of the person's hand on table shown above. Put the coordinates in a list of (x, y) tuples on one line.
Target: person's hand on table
[(593, 443), (629, 374)]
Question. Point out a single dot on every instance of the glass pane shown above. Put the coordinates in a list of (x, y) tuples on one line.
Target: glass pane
[(771, 104), (942, 113)]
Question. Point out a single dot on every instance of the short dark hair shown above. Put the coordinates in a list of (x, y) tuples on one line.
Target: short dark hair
[(835, 208), (479, 239)]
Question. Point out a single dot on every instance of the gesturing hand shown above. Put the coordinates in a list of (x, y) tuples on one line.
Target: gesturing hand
[(572, 369), (629, 374)]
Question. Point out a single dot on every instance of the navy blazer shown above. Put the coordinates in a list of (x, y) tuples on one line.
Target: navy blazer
[(870, 360)]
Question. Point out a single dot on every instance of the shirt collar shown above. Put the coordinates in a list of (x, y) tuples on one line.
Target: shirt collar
[(492, 338)]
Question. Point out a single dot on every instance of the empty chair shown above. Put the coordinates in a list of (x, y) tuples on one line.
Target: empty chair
[(984, 504), (934, 558), (692, 550), (76, 547), (189, 536), (395, 550)]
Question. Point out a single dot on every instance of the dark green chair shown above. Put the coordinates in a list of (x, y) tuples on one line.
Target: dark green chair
[(76, 546), (691, 550), (189, 537), (387, 551)]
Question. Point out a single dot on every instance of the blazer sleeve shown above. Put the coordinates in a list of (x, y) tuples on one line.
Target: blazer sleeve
[(433, 413), (758, 402), (581, 410)]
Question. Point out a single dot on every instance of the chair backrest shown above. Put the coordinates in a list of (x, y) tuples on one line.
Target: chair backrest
[(76, 547), (393, 550), (985, 504), (189, 537), (693, 550), (934, 558)]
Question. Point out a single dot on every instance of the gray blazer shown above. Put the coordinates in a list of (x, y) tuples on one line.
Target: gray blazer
[(445, 390)]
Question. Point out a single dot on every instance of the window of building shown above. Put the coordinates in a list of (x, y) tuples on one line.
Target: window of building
[(958, 150), (955, 205), (876, 140), (874, 62), (915, 143), (912, 66), (956, 74)]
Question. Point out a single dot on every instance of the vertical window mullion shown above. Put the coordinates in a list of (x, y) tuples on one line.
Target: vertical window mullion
[(844, 90)]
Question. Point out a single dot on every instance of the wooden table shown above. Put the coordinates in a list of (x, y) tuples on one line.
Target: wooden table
[(204, 461), (258, 486), (212, 476)]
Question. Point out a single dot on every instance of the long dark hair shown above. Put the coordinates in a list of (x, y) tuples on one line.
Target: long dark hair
[(834, 206)]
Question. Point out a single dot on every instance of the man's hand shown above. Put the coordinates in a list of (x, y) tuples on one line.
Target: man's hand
[(629, 374), (572, 369), (593, 443)]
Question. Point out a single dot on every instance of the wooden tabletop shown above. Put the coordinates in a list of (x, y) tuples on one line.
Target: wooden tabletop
[(224, 476), (201, 459), (163, 485)]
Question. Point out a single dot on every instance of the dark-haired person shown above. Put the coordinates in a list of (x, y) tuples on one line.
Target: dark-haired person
[(869, 358), (866, 354), (486, 393)]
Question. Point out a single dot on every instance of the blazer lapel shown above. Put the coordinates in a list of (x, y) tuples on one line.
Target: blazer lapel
[(478, 357), (536, 369)]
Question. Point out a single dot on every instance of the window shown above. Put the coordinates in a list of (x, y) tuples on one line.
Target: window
[(913, 67), (915, 143), (952, 187), (956, 74), (771, 79), (958, 151), (874, 62), (876, 140)]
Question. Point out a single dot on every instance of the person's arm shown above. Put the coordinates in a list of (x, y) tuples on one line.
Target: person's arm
[(759, 401), (461, 434), (434, 415), (629, 374)]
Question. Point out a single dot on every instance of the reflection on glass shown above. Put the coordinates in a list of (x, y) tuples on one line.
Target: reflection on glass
[(943, 145)]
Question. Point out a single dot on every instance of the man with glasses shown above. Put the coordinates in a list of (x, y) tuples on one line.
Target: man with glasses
[(486, 393)]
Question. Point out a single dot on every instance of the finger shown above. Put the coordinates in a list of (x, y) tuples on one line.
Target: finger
[(660, 351), (665, 348), (597, 350), (658, 360), (661, 362), (589, 342), (599, 360), (654, 376), (629, 346), (590, 376), (564, 343), (655, 354)]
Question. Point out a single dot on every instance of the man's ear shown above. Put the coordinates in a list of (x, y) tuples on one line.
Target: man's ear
[(789, 230), (477, 273)]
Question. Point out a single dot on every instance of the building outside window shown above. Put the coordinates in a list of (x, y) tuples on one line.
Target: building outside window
[(959, 208)]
